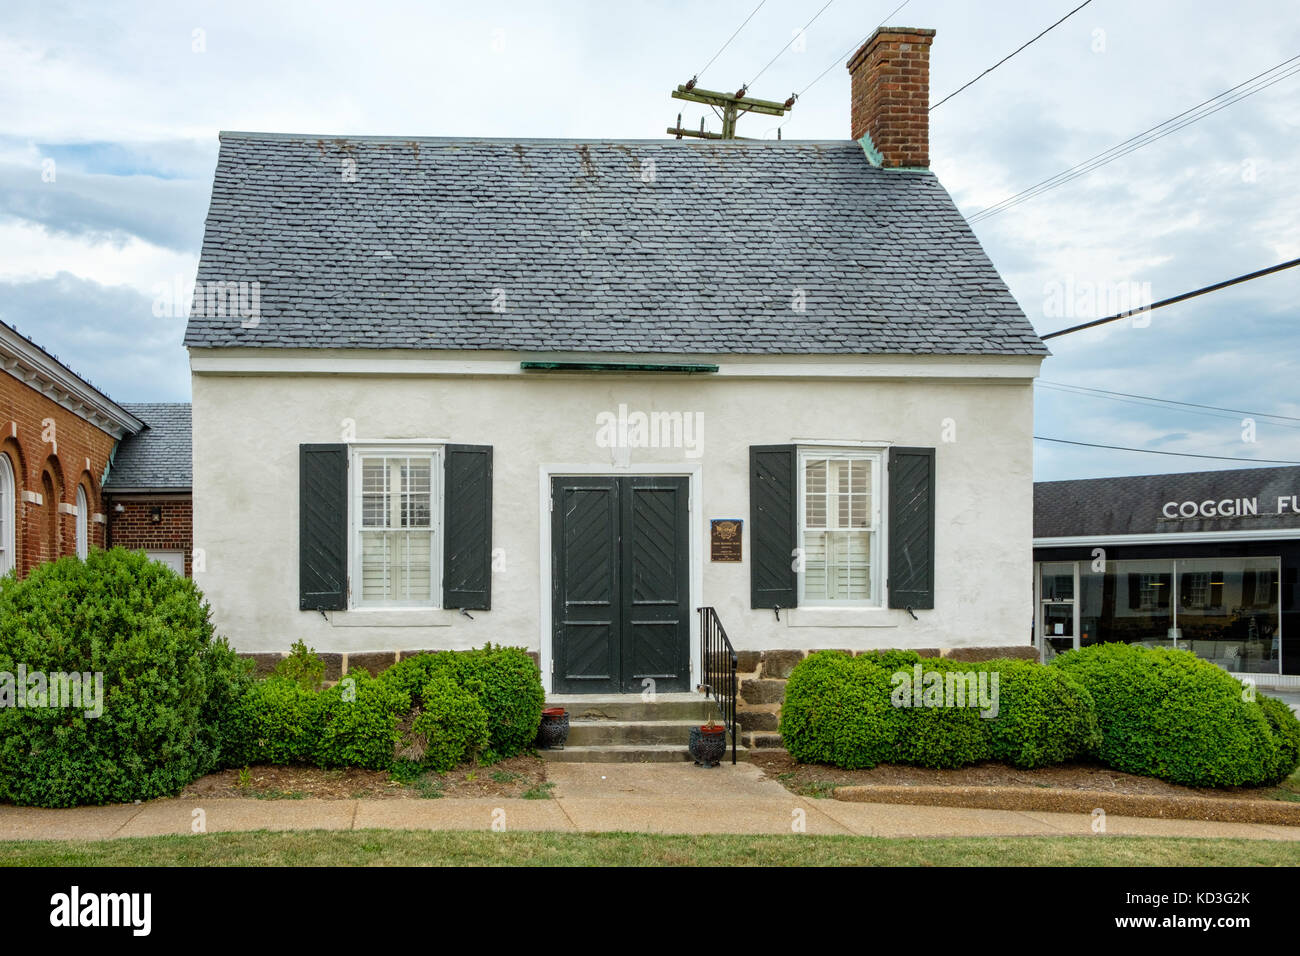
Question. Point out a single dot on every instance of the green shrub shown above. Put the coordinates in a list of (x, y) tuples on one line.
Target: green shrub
[(453, 722), (358, 722), (169, 685), (837, 711), (1166, 713), (411, 674), (278, 721), (302, 666), (1044, 716), (505, 679), (855, 713), (1286, 734)]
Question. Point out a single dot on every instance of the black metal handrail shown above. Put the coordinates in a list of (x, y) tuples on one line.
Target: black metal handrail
[(718, 670)]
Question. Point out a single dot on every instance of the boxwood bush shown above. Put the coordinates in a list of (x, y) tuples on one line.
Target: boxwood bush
[(358, 722), (452, 721), (1286, 734), (277, 721), (170, 686), (504, 679), (1166, 713), (841, 710)]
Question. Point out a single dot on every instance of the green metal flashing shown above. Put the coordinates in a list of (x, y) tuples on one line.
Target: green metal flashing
[(689, 368), (876, 158)]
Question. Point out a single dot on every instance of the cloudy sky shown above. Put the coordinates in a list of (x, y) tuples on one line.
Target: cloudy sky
[(109, 116)]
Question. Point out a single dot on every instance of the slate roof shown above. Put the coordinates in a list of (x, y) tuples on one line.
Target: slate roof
[(615, 246), (1134, 505), (158, 458)]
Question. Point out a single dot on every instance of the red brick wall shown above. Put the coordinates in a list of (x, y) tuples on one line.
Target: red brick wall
[(134, 527), (890, 96), (50, 448)]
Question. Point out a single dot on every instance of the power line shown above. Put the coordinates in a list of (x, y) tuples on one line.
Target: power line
[(1163, 401), (730, 38), (1011, 54), (1155, 133), (1179, 454), (849, 52), (1289, 264), (1142, 402), (786, 47)]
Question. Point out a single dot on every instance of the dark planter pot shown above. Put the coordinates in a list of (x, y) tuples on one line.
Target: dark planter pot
[(708, 745), (554, 730)]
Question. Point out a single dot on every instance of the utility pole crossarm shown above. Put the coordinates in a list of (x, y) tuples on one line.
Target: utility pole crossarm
[(744, 104)]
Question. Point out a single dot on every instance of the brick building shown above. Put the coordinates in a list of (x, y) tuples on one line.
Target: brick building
[(147, 494), (59, 436)]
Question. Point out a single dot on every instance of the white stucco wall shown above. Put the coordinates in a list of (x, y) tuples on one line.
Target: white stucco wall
[(247, 429)]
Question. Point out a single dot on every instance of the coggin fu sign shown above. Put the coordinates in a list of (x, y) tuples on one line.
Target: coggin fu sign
[(1228, 507)]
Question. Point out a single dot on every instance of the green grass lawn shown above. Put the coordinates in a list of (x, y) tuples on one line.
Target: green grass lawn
[(476, 848)]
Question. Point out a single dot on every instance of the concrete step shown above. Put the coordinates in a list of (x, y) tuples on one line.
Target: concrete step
[(641, 753), (598, 732), (630, 707)]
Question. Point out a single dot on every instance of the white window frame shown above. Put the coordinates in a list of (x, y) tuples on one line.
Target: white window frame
[(8, 514), (877, 455), (356, 453), (83, 524)]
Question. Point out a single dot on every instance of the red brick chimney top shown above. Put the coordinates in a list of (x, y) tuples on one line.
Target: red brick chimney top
[(890, 99)]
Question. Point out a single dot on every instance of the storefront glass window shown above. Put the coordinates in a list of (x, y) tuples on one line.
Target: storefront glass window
[(1131, 602), (1228, 612), (1224, 610)]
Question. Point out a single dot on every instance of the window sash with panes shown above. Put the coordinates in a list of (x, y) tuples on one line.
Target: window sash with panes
[(396, 553), (839, 528)]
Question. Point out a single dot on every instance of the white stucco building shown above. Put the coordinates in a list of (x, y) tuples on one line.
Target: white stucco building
[(562, 394)]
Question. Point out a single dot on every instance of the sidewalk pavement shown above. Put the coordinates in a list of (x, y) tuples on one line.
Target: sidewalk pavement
[(644, 798)]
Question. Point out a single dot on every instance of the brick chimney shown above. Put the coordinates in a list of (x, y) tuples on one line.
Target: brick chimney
[(890, 101)]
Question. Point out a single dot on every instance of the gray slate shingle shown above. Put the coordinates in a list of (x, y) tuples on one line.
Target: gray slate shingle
[(1133, 505), (158, 457), (705, 257)]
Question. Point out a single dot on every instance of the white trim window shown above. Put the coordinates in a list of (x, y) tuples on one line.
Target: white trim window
[(839, 526), (396, 506), (8, 514), (83, 524)]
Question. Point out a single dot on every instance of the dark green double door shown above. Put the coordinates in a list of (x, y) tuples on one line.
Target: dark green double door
[(620, 593)]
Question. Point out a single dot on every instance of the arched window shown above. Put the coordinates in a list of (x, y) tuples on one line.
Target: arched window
[(83, 524), (8, 514)]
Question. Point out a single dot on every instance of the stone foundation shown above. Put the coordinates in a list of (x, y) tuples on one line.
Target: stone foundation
[(762, 676)]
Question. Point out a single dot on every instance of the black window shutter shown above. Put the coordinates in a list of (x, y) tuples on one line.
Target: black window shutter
[(322, 527), (773, 525), (467, 527), (911, 527)]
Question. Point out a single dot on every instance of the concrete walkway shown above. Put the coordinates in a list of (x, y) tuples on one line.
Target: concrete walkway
[(659, 798)]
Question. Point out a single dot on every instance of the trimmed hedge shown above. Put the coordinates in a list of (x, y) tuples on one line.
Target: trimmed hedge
[(1166, 713), (453, 722), (1286, 734), (504, 679), (170, 685), (277, 721), (842, 710), (484, 704), (358, 722)]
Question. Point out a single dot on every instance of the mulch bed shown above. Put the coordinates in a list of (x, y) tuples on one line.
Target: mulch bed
[(1066, 788), (508, 778)]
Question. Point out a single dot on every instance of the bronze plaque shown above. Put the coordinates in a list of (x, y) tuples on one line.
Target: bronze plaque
[(724, 539)]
